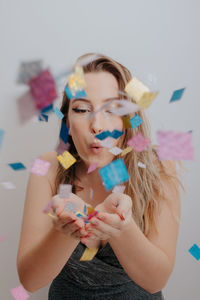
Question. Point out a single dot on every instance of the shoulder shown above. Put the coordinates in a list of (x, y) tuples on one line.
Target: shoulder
[(51, 157)]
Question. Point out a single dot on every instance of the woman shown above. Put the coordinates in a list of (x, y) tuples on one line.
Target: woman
[(136, 253)]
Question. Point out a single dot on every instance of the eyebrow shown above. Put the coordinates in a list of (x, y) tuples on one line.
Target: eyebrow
[(87, 100)]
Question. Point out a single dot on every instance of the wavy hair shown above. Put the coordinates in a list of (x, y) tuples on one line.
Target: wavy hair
[(145, 184)]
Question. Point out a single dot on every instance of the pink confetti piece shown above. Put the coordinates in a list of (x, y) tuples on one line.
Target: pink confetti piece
[(47, 208), (3, 237), (43, 89), (118, 189), (19, 293), (92, 167), (115, 150), (65, 190), (138, 142), (108, 142), (175, 145), (40, 167)]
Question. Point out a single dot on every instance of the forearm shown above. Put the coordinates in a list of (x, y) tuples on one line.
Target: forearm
[(44, 262), (144, 263)]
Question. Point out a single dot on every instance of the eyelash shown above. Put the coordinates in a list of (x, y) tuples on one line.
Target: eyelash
[(77, 110)]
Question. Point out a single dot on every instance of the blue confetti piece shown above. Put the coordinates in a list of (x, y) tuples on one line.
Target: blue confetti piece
[(103, 135), (2, 132), (58, 113), (17, 166), (177, 95), (43, 117), (195, 251), (80, 94), (64, 132), (68, 92), (135, 121), (116, 133), (85, 209), (47, 109), (114, 174)]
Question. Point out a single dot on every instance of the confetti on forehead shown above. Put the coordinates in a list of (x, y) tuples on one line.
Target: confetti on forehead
[(40, 167), (114, 174), (138, 142), (65, 190), (29, 70), (19, 293), (175, 145)]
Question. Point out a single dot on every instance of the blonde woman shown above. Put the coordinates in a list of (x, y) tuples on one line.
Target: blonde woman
[(137, 252)]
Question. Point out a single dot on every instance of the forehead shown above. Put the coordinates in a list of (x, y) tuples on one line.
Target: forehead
[(101, 85)]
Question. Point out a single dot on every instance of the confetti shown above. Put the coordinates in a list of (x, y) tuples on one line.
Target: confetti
[(62, 147), (47, 109), (140, 93), (115, 134), (19, 293), (92, 167), (175, 145), (127, 122), (66, 159), (58, 113), (65, 190), (8, 185), (71, 206), (29, 70), (108, 142), (43, 89), (91, 193), (138, 142), (177, 95), (115, 150), (17, 166), (118, 189), (40, 167), (89, 254), (64, 132), (126, 150), (2, 132), (3, 237), (136, 121), (141, 165), (43, 117), (114, 174), (127, 107), (195, 251)]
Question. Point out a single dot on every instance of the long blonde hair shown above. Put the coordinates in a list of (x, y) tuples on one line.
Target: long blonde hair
[(145, 184)]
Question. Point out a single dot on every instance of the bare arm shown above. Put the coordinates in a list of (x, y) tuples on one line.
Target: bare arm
[(149, 260), (43, 251)]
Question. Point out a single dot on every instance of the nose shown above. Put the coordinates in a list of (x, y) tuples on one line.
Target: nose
[(97, 123)]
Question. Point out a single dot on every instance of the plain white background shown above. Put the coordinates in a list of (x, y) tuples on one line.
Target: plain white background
[(158, 41)]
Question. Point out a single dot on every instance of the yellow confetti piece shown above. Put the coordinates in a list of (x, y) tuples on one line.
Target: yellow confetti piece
[(147, 99), (126, 150), (127, 122), (89, 254), (140, 93), (66, 159), (52, 216), (90, 210), (76, 80)]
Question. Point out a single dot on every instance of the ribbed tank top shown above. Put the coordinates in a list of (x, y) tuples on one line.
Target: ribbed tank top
[(102, 272)]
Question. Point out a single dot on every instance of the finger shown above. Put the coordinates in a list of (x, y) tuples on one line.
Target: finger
[(98, 225)]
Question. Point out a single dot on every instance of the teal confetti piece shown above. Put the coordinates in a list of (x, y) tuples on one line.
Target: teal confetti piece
[(177, 95), (195, 251), (58, 113), (17, 166), (135, 121), (114, 174)]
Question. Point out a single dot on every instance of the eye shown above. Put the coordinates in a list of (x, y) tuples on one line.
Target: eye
[(77, 110)]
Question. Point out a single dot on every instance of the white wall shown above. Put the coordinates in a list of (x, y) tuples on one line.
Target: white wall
[(149, 37)]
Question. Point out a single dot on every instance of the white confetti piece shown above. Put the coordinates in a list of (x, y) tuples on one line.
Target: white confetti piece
[(118, 189), (8, 185), (115, 150), (141, 165)]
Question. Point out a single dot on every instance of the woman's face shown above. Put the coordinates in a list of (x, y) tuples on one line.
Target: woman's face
[(100, 87)]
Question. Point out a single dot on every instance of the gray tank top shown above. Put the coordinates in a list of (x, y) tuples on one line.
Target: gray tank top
[(102, 272)]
